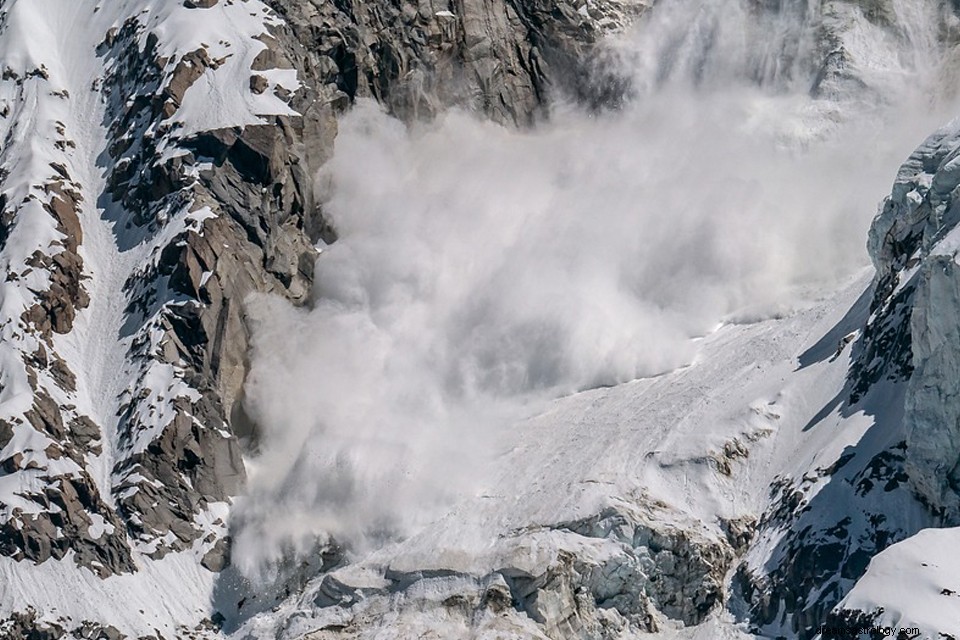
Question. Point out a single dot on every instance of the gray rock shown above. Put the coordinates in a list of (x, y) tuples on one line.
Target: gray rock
[(218, 557), (497, 57)]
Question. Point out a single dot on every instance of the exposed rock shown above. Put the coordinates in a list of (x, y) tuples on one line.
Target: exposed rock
[(740, 532), (259, 239), (65, 525), (913, 333), (258, 83), (179, 474), (27, 626), (6, 433), (218, 557), (188, 70), (85, 434), (57, 305), (498, 57)]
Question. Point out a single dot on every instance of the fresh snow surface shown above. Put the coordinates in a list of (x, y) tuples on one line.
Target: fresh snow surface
[(229, 31), (916, 584), (163, 596)]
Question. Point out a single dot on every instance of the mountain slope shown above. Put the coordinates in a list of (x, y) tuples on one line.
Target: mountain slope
[(158, 166), (616, 511)]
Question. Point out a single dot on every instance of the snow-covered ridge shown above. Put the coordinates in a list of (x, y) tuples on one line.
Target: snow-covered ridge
[(914, 244)]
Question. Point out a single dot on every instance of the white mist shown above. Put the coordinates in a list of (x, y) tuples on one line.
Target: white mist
[(481, 271)]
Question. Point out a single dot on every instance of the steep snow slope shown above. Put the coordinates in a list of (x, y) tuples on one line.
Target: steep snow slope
[(687, 457), (912, 585)]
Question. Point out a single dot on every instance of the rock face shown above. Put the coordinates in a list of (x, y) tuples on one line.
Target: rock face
[(186, 306), (502, 58)]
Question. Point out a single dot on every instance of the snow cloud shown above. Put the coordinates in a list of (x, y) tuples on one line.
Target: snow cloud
[(482, 269)]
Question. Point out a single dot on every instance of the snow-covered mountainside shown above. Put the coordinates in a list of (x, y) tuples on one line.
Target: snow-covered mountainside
[(478, 319)]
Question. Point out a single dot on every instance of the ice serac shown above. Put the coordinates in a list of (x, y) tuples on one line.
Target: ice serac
[(914, 242), (625, 570), (901, 477)]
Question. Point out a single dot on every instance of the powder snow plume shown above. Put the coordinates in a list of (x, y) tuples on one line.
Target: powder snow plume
[(481, 270)]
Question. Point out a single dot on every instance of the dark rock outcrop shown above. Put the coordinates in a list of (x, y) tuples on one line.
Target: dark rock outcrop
[(502, 58)]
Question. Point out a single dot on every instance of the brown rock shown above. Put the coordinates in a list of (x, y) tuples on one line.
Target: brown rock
[(13, 463), (258, 84), (188, 70)]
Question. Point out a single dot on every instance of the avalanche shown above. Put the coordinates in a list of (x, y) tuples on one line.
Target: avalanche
[(620, 373)]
